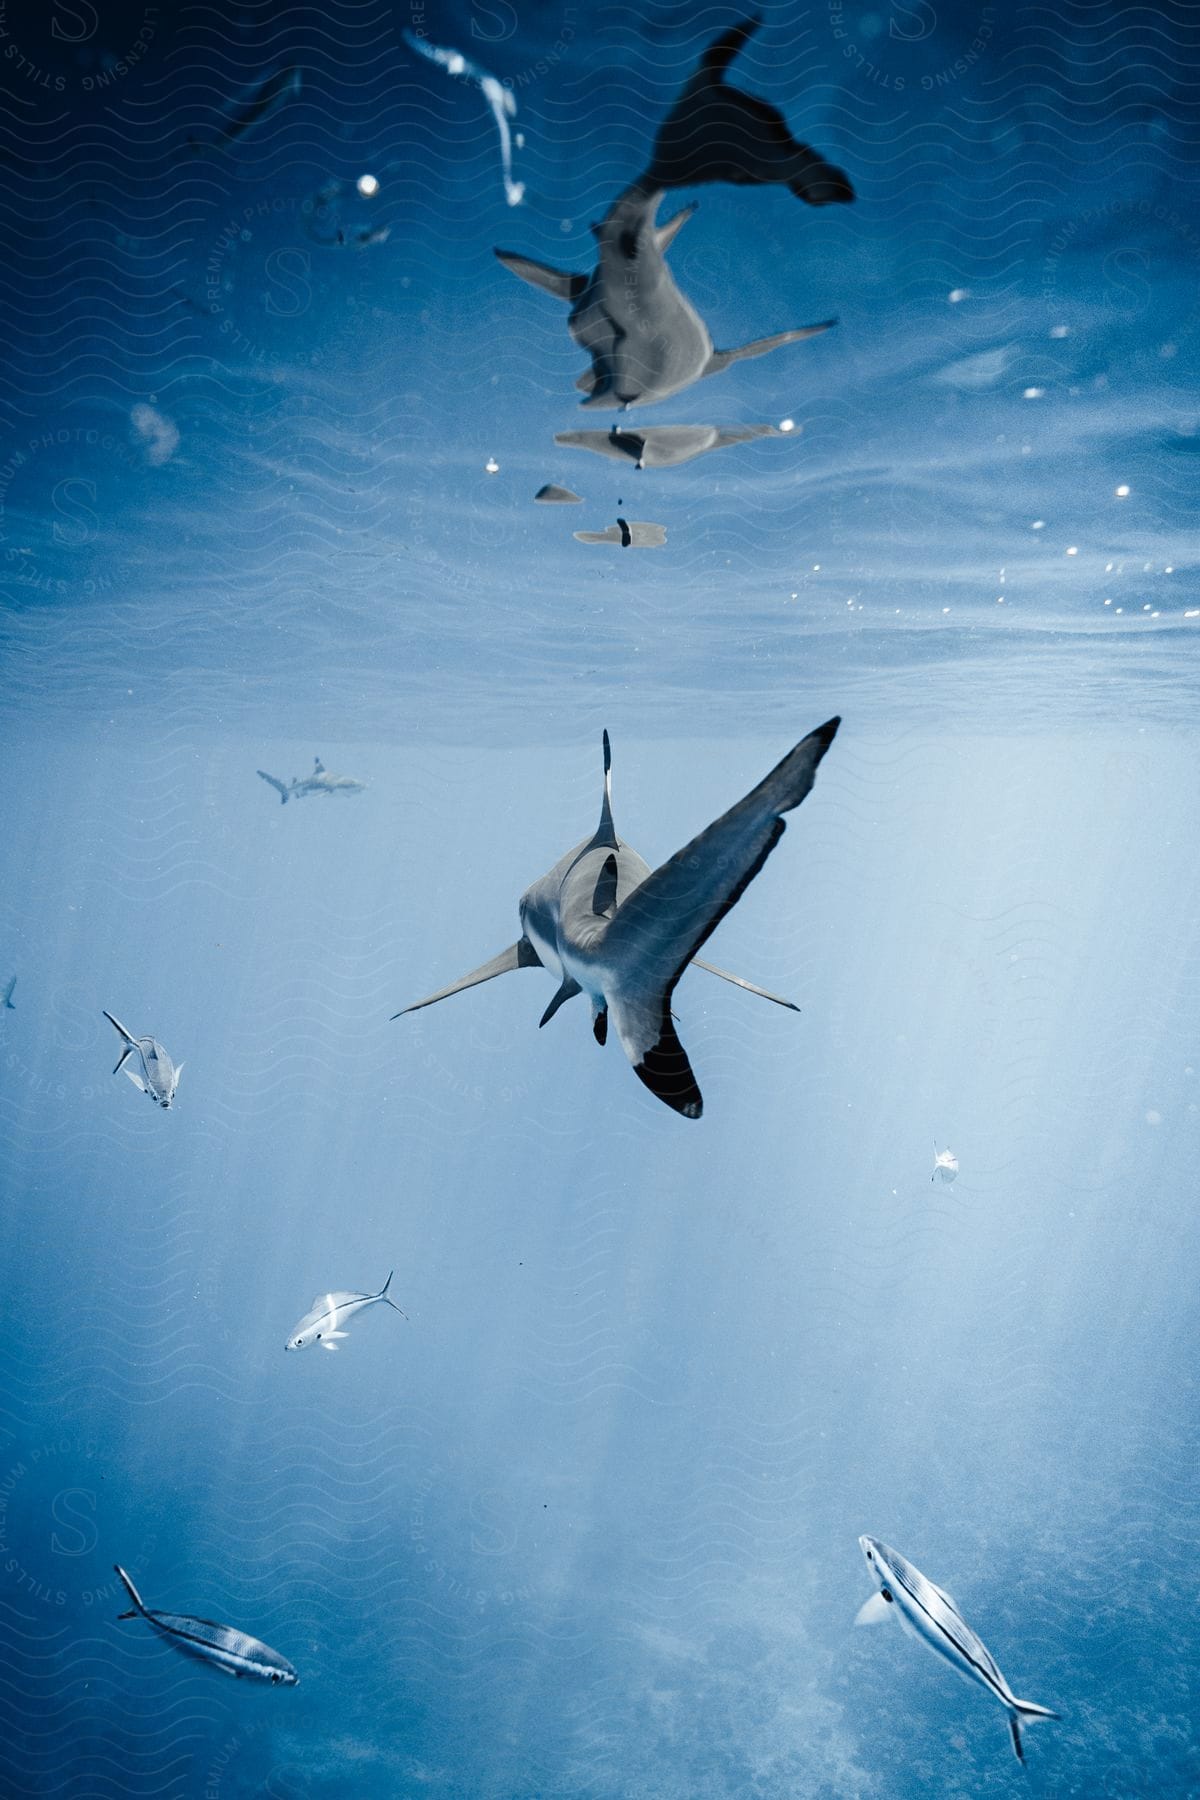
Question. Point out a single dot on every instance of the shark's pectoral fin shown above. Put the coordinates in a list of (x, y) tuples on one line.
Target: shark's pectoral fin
[(567, 991), (604, 898), (559, 282), (739, 981), (587, 381), (721, 359), (520, 955)]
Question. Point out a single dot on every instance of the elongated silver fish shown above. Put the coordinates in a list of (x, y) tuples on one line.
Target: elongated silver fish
[(324, 1319), (222, 1645), (928, 1613), (159, 1076)]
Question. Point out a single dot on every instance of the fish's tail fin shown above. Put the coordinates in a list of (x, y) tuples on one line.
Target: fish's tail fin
[(1023, 1712), (384, 1295), (138, 1607), (127, 1035)]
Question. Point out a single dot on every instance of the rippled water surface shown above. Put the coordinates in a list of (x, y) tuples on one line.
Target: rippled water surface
[(586, 1522)]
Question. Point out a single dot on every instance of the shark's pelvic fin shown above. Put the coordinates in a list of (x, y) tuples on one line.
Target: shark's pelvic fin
[(721, 359), (570, 987), (559, 282), (520, 955), (665, 235), (657, 931)]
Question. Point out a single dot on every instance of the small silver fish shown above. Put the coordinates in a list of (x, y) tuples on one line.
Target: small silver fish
[(926, 1612), (159, 1077), (322, 1322), (226, 1648)]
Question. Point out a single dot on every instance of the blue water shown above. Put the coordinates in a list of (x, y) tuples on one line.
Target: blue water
[(586, 1523)]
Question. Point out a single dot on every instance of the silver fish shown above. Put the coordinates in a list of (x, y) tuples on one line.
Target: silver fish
[(159, 1076), (8, 995), (319, 782), (603, 924), (226, 1648), (322, 1322), (928, 1613)]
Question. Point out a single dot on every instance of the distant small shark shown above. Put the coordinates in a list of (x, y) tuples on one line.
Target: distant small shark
[(928, 1613), (604, 925), (159, 1077), (319, 782), (646, 341), (8, 995)]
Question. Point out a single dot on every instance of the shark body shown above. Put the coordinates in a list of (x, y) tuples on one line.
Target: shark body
[(604, 924), (645, 338)]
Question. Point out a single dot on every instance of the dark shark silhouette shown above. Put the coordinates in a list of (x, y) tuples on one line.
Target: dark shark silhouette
[(715, 132)]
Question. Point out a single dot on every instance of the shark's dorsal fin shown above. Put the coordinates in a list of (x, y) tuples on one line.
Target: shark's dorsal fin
[(606, 831), (604, 899)]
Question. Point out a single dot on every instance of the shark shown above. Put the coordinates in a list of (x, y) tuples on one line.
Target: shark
[(319, 782), (604, 924), (645, 339), (927, 1612), (159, 1075)]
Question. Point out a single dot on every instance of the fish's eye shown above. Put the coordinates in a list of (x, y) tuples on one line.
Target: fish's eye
[(887, 1594), (318, 1334)]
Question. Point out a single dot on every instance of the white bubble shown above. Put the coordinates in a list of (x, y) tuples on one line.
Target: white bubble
[(1038, 525), (367, 185), (1072, 550), (491, 466), (1060, 331), (1153, 1118), (1033, 393), (955, 295), (787, 424), (1123, 491)]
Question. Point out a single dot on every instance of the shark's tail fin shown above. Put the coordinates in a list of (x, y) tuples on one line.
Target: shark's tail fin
[(658, 929), (819, 183), (138, 1608), (1023, 1712), (384, 1295), (279, 786)]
